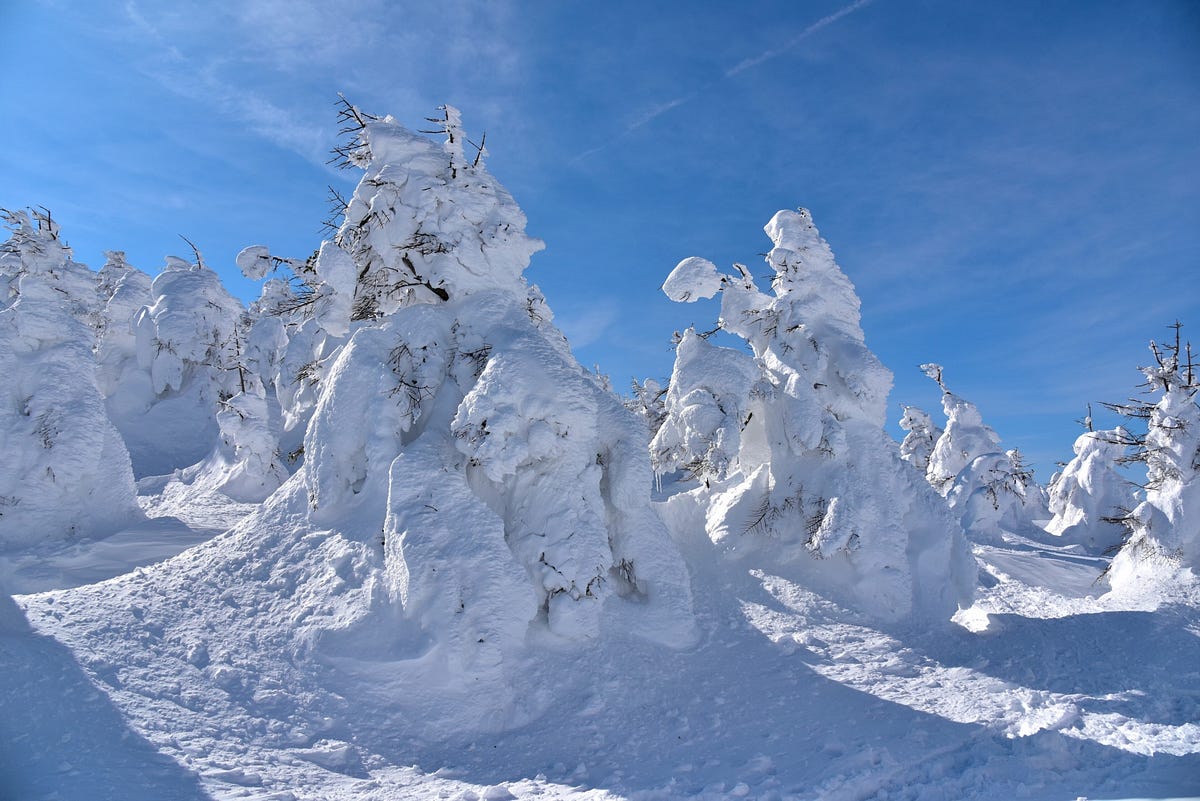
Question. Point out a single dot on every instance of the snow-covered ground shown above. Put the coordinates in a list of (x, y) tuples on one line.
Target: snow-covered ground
[(380, 536), (1041, 689)]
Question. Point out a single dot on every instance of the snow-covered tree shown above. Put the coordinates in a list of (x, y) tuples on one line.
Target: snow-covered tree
[(997, 493), (1090, 494), (125, 290), (187, 342), (648, 403), (506, 485), (797, 471), (65, 471), (188, 334), (708, 405), (989, 489), (246, 465), (247, 461), (964, 438), (1164, 530), (922, 435), (298, 323)]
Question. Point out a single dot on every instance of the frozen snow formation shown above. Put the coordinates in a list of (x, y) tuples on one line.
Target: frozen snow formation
[(187, 348), (65, 472), (989, 489), (1089, 495), (795, 471), (1164, 529), (923, 434), (465, 493), (506, 485), (964, 438)]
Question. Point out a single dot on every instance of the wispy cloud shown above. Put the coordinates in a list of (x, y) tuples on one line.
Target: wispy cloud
[(662, 108), (588, 325), (198, 78), (274, 66)]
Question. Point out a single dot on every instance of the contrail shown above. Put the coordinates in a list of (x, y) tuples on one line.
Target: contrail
[(797, 39), (663, 108)]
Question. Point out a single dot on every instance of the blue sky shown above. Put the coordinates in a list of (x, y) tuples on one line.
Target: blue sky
[(1013, 187)]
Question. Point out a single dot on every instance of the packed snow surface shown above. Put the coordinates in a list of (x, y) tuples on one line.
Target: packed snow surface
[(1044, 689)]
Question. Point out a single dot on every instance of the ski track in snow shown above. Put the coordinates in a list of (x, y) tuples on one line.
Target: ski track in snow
[(1035, 694)]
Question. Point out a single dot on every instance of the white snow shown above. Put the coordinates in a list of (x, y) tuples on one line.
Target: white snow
[(391, 541), (1090, 492), (786, 448), (692, 279), (1047, 691), (64, 471)]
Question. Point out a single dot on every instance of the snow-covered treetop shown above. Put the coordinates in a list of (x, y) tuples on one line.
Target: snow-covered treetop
[(789, 443), (1173, 427), (190, 322), (427, 221), (965, 438), (34, 242), (1164, 534), (809, 327), (60, 297), (805, 271), (922, 434), (816, 322)]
